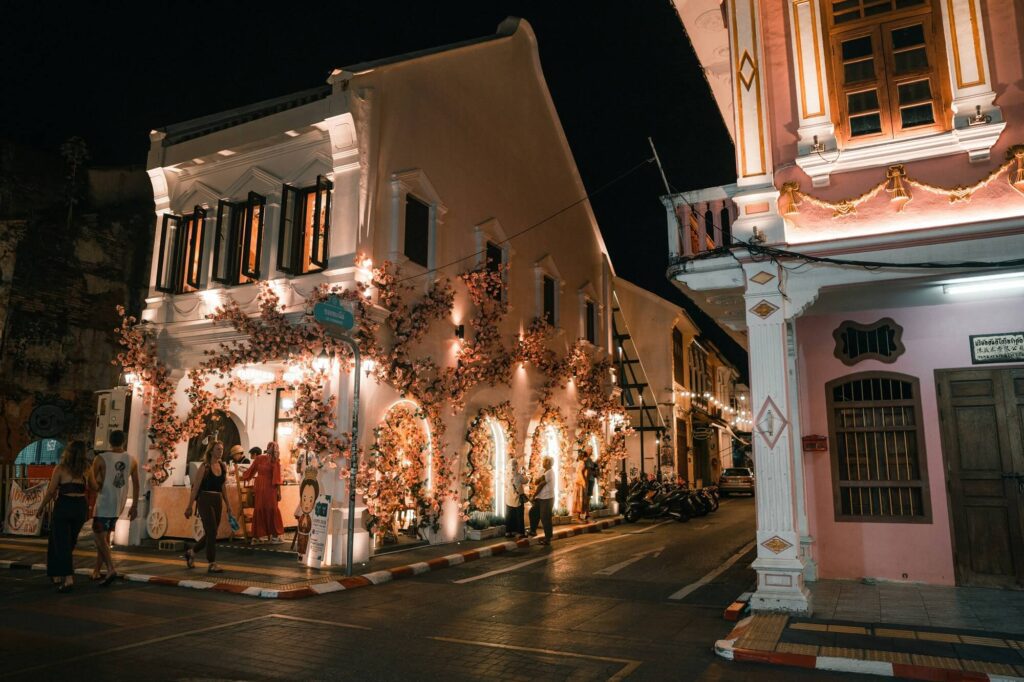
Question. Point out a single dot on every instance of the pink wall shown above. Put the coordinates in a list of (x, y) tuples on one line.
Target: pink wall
[(936, 337), (1004, 25)]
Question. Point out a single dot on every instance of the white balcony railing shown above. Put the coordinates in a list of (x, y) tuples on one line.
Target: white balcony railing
[(699, 221)]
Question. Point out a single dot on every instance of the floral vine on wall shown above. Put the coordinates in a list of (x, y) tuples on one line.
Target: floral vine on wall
[(479, 475)]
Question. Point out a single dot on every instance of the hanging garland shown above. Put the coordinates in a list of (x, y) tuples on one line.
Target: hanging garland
[(479, 475), (895, 178)]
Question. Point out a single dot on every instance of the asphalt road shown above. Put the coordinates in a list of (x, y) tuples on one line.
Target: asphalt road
[(627, 603)]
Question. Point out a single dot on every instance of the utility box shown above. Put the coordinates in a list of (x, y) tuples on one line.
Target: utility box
[(113, 411), (815, 443)]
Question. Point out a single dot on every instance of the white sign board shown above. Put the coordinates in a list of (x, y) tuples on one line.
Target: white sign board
[(994, 348)]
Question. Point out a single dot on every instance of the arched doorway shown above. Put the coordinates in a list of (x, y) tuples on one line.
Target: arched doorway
[(499, 448), (492, 444), (400, 479), (549, 440), (219, 426), (594, 448)]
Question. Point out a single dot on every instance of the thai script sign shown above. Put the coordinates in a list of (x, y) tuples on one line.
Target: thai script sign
[(990, 348)]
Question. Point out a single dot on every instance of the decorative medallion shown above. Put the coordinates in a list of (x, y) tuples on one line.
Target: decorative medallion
[(763, 277), (776, 545), (771, 422), (747, 70), (764, 309)]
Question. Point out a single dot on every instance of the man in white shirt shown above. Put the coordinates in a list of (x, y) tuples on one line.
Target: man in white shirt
[(111, 472), (543, 500)]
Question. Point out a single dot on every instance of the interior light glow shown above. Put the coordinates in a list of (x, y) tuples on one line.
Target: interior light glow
[(970, 285), (500, 464)]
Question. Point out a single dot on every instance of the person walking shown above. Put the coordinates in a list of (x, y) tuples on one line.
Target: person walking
[(515, 524), (209, 500), (543, 501), (267, 524), (70, 511), (110, 471), (580, 501)]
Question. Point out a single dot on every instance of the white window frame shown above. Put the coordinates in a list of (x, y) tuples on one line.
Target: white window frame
[(546, 267), (585, 294), (415, 182), (491, 231)]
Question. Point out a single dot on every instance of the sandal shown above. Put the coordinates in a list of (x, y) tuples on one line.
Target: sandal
[(66, 587), (214, 568), (111, 577), (190, 558), (95, 575)]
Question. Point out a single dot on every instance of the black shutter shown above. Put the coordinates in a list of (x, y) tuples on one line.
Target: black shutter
[(591, 321), (252, 236), (417, 230), (549, 300), (194, 254), (289, 237), (224, 243), (167, 266), (321, 222)]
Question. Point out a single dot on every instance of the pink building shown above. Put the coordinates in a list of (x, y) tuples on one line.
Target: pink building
[(871, 251)]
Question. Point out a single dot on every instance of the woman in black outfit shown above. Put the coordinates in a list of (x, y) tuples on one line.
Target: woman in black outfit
[(207, 495), (69, 514)]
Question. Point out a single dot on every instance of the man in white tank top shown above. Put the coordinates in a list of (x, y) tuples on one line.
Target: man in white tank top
[(110, 473)]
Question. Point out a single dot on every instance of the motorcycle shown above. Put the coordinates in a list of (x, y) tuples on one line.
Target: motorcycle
[(651, 501)]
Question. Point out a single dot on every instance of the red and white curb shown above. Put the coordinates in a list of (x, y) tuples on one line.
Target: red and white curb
[(348, 583), (727, 649)]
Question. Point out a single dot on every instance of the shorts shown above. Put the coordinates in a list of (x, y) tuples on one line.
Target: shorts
[(104, 524)]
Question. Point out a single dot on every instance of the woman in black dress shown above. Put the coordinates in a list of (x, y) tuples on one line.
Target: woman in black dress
[(69, 514)]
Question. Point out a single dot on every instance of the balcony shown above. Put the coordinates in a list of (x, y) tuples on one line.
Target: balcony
[(699, 221)]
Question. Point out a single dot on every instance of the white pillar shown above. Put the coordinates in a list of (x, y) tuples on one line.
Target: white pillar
[(137, 445), (793, 398), (780, 571)]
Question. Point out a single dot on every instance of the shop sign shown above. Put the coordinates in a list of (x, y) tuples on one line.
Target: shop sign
[(991, 348), (332, 312), (22, 505), (318, 531)]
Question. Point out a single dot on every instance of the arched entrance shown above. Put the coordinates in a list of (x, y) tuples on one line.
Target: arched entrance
[(549, 440), (594, 448), (499, 446), (492, 444), (219, 426)]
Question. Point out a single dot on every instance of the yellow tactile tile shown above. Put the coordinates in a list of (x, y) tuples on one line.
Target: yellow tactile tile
[(890, 632), (817, 627), (936, 661), (939, 637), (983, 641), (848, 629), (757, 644), (888, 656), (840, 652), (986, 667), (790, 648)]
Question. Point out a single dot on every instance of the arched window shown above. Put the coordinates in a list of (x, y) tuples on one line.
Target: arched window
[(879, 467)]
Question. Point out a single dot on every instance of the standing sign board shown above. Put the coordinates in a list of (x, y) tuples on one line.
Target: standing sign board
[(22, 505), (318, 531), (996, 348)]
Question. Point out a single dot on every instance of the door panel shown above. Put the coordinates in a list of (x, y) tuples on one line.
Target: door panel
[(982, 413)]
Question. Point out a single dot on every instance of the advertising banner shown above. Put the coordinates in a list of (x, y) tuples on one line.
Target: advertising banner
[(318, 531), (22, 504)]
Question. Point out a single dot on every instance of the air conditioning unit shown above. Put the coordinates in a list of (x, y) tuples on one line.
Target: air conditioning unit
[(113, 412)]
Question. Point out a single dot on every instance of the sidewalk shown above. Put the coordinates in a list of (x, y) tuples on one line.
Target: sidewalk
[(910, 631), (259, 572)]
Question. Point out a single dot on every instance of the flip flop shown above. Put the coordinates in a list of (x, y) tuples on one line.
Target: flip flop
[(214, 569), (111, 577), (190, 558)]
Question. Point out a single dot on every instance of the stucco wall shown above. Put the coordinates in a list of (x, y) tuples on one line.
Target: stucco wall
[(893, 551)]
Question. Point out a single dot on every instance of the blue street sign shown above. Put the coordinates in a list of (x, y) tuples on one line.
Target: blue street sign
[(333, 313)]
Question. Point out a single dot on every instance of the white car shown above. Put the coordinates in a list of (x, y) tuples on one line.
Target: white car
[(736, 480)]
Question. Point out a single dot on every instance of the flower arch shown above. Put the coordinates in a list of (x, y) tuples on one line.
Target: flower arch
[(398, 470), (482, 477), (550, 438)]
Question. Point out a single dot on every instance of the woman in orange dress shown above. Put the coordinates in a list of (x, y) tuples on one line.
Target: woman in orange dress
[(267, 525)]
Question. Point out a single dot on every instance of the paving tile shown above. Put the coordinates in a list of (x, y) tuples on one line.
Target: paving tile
[(938, 637), (840, 652), (986, 667), (900, 634), (890, 656), (936, 662), (790, 648), (848, 629), (987, 653), (820, 627), (983, 641)]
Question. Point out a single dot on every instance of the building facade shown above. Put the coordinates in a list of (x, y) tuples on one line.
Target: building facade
[(871, 252), (446, 165)]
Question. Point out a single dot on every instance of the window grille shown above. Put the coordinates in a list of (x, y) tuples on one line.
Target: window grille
[(882, 341), (879, 469)]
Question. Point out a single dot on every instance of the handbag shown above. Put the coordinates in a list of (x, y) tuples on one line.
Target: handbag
[(233, 522)]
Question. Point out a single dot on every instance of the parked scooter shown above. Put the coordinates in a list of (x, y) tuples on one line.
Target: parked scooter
[(650, 501)]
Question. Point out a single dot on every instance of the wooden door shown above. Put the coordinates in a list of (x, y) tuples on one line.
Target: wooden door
[(982, 415)]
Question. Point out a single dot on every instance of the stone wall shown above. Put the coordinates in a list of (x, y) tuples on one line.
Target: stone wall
[(60, 283)]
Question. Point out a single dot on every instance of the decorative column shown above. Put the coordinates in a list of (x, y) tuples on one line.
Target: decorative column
[(137, 444), (780, 571), (977, 121), (756, 201), (809, 77)]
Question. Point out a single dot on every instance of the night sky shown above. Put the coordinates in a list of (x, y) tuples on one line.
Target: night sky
[(618, 72)]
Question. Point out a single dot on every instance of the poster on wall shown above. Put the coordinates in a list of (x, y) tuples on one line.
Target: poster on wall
[(22, 504), (994, 348)]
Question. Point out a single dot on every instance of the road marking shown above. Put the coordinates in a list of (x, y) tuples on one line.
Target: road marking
[(611, 570), (628, 669), (692, 587), (649, 530), (184, 633), (557, 553)]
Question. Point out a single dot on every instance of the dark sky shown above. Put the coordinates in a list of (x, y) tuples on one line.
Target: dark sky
[(618, 72)]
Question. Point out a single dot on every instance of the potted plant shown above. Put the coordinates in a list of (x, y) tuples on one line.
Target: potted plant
[(484, 525)]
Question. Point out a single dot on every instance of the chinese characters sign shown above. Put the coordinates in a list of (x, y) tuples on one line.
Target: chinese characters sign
[(990, 348)]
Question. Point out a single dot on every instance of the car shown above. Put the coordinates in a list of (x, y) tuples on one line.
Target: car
[(737, 480)]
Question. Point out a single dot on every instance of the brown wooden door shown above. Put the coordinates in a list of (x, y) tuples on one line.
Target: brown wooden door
[(982, 413)]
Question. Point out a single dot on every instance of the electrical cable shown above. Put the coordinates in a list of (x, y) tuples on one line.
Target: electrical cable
[(585, 197)]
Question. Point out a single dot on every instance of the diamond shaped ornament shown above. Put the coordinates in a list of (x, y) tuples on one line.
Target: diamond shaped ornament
[(776, 545), (747, 70), (771, 422), (763, 277), (764, 309)]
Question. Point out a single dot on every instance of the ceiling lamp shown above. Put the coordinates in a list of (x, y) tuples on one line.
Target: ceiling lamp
[(986, 283)]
